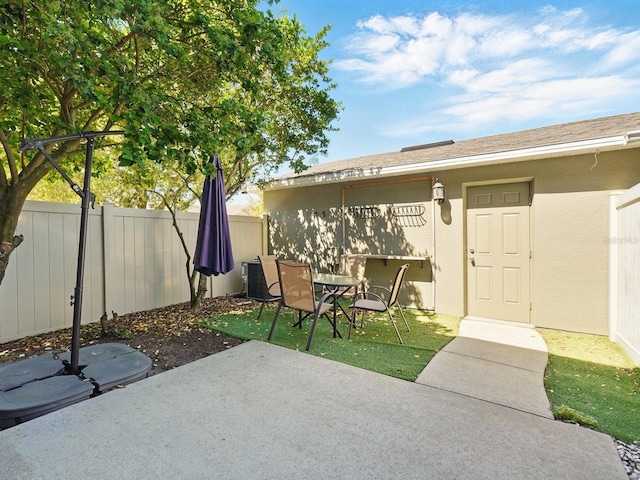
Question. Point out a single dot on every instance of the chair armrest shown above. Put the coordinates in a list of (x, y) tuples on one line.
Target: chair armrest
[(271, 286), (379, 287), (326, 296), (366, 295)]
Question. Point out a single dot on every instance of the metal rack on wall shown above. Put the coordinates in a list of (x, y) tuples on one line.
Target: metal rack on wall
[(409, 215)]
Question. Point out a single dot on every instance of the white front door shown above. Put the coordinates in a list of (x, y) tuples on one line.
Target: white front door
[(498, 252)]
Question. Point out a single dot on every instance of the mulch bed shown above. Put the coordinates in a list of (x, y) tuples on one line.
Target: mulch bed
[(170, 335)]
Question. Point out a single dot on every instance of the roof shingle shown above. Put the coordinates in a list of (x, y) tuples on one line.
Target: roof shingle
[(604, 127)]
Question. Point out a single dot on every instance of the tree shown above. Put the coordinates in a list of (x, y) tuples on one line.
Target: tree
[(176, 193), (183, 78), (120, 186)]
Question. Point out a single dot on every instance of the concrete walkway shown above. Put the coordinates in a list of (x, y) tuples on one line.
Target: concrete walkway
[(495, 362), (258, 411)]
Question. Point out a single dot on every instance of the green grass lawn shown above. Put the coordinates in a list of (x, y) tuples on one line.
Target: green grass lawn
[(374, 347), (592, 381), (588, 379)]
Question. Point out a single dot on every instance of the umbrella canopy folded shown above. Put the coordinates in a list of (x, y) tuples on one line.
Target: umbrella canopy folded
[(213, 254)]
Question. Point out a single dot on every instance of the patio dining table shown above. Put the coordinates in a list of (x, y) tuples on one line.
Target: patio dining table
[(339, 284)]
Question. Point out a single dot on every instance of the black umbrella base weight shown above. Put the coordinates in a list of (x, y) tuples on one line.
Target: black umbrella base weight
[(36, 386)]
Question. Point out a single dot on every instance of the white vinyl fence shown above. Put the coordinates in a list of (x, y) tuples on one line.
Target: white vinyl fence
[(625, 278), (134, 262)]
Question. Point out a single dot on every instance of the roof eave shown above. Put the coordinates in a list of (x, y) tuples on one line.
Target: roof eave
[(617, 142)]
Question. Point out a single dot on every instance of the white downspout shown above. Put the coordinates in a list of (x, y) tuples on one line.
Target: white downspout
[(433, 249)]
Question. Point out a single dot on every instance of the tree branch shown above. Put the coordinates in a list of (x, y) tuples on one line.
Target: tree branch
[(13, 168), (112, 51), (174, 219), (55, 86), (187, 185), (191, 273), (92, 118), (65, 104)]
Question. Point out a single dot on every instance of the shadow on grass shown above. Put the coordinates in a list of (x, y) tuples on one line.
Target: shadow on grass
[(374, 347)]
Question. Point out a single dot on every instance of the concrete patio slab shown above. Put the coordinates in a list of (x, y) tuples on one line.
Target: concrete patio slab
[(262, 411)]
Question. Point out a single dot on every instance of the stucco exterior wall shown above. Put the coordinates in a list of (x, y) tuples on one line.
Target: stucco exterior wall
[(391, 218), (569, 228), (570, 261)]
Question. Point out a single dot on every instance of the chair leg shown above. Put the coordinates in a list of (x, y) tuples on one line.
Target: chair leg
[(273, 324), (403, 317), (395, 327), (261, 307), (352, 322), (301, 318), (312, 331), (313, 327)]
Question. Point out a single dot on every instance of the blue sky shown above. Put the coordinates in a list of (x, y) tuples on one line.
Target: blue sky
[(413, 72)]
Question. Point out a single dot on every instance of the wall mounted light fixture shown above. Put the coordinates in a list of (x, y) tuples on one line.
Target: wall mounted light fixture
[(438, 191)]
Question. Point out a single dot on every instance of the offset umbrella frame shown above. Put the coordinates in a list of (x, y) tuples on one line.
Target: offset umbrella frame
[(87, 198)]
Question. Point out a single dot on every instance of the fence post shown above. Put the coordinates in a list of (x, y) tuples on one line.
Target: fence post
[(107, 247), (265, 234)]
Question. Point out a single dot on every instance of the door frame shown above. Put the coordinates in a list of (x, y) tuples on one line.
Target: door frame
[(465, 232)]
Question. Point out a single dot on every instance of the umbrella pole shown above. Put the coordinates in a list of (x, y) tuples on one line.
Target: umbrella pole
[(87, 198), (76, 300)]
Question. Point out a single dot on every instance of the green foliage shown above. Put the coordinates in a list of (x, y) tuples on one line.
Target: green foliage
[(591, 381), (122, 332), (184, 79), (375, 347)]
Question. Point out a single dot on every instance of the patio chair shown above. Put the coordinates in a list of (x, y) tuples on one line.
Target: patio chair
[(369, 301), (297, 293), (272, 284)]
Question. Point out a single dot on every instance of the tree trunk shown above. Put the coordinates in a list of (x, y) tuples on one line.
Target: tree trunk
[(5, 252), (13, 194), (196, 300), (11, 203)]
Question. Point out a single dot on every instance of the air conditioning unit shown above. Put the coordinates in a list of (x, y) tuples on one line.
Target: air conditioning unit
[(254, 280)]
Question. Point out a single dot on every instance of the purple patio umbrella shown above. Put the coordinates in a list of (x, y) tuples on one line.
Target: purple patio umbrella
[(213, 250)]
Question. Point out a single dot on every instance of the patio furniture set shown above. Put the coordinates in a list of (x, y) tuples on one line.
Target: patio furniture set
[(310, 294)]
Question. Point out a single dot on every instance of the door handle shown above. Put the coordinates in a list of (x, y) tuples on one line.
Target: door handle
[(473, 261)]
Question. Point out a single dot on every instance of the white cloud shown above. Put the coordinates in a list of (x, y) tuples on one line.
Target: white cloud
[(506, 42), (515, 76), (626, 51), (554, 98), (498, 67), (476, 40)]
